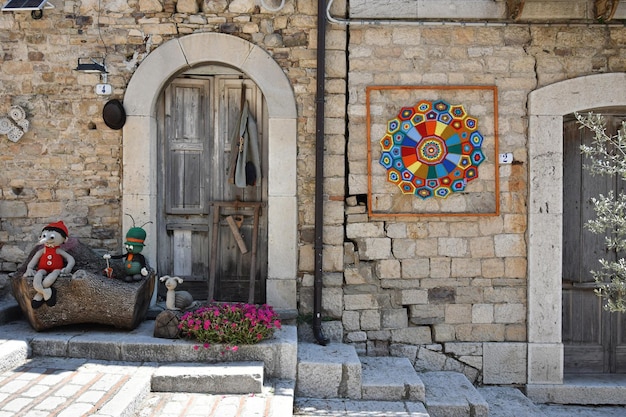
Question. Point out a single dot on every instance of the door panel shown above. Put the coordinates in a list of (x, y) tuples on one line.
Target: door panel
[(590, 334), (199, 115)]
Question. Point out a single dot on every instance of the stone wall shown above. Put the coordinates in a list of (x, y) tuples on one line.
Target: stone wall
[(449, 284), (68, 166)]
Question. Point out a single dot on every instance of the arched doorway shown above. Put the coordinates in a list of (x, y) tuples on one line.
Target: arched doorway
[(140, 136), (547, 107)]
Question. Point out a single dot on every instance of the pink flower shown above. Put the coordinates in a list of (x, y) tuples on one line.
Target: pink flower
[(234, 348), (196, 347), (206, 345)]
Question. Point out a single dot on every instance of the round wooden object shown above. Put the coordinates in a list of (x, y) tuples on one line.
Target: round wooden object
[(166, 324)]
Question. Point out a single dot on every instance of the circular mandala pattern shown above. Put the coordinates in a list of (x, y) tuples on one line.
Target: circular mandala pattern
[(432, 149)]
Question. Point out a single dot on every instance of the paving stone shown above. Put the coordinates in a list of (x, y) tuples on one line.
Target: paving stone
[(230, 378)]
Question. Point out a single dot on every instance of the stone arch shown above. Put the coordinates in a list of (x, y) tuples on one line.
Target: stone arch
[(546, 108), (139, 190)]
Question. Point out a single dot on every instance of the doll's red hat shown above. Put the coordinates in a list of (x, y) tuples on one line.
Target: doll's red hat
[(59, 227)]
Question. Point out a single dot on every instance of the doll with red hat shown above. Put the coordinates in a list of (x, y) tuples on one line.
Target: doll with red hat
[(48, 263)]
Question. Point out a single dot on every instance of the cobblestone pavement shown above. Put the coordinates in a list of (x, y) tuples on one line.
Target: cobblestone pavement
[(66, 387)]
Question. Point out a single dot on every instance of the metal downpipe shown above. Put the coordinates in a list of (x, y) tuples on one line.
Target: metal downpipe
[(319, 173)]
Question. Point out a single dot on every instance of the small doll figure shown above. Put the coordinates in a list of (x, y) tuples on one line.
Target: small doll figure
[(135, 266), (50, 261)]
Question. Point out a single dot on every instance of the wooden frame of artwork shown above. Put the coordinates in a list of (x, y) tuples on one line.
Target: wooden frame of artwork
[(432, 151)]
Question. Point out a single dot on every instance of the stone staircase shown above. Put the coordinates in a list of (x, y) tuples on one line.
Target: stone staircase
[(305, 378), (336, 371)]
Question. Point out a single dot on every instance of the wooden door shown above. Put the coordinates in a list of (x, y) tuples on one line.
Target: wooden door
[(593, 338), (199, 114)]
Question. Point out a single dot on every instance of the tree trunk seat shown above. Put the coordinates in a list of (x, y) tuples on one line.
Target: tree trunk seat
[(86, 296)]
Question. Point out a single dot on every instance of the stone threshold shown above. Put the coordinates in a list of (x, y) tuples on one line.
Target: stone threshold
[(582, 389)]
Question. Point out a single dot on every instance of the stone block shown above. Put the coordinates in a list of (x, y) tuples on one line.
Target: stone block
[(332, 302), (403, 248), (403, 350), (415, 268), (395, 319), (396, 230), (429, 360), (452, 247), (545, 363), (410, 296), (370, 320), (458, 313), (452, 394), (427, 314), (482, 313), (374, 248), (11, 208), (510, 245), (360, 301), (443, 333), (14, 353), (390, 379), (357, 275), (388, 269), (332, 371), (231, 378), (362, 230), (419, 335), (504, 363), (509, 313), (465, 349), (351, 320), (353, 337)]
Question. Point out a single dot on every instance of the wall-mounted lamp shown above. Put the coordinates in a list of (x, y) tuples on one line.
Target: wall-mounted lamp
[(91, 65), (34, 6)]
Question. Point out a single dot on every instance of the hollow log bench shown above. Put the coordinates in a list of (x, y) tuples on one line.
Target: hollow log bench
[(86, 296)]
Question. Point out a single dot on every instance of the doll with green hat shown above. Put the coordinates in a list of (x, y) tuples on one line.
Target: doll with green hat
[(135, 265)]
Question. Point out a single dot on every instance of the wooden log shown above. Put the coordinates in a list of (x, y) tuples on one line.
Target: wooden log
[(86, 296)]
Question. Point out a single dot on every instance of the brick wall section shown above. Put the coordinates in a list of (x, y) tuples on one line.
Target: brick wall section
[(449, 282)]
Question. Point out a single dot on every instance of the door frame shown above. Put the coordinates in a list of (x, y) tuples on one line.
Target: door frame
[(546, 108), (139, 188)]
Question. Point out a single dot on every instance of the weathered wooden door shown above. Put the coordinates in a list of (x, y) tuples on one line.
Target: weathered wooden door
[(594, 339), (199, 115)]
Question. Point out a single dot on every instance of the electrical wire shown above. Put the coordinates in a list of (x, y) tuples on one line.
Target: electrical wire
[(106, 51)]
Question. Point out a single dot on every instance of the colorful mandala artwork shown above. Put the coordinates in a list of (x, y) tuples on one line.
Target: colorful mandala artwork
[(432, 149)]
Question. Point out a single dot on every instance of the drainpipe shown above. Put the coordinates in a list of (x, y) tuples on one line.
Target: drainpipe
[(319, 173)]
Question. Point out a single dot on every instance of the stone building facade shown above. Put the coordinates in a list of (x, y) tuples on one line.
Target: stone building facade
[(478, 294)]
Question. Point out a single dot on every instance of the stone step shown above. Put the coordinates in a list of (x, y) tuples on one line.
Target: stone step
[(341, 407), (451, 394), (278, 354), (230, 378), (582, 389), (12, 353), (332, 371), (509, 402), (390, 379)]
